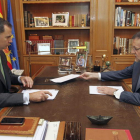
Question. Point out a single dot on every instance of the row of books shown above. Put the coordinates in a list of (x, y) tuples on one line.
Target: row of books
[(122, 45), (79, 20), (51, 44), (126, 18)]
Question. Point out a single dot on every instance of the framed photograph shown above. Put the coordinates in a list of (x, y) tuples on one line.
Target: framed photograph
[(60, 19), (65, 61), (41, 21), (81, 59), (73, 43), (43, 48)]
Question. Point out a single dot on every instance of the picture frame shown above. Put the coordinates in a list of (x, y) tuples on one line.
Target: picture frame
[(60, 19), (41, 21), (65, 62), (81, 59), (73, 43), (43, 48)]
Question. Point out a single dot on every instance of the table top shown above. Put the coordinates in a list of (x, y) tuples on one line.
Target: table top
[(74, 103)]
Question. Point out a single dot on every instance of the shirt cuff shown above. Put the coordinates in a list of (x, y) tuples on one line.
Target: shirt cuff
[(99, 76), (26, 98), (117, 94), (19, 79)]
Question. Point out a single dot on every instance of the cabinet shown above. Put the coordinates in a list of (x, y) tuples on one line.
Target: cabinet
[(45, 9)]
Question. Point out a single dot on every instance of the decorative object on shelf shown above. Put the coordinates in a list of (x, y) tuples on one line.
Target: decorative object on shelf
[(99, 120), (65, 63), (81, 59), (29, 47), (96, 65), (41, 21), (43, 48), (33, 37), (90, 63), (73, 43), (31, 44), (58, 37), (103, 61), (60, 19)]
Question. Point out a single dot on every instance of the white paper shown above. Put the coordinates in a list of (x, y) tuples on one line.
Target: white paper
[(52, 91), (93, 89), (65, 78), (52, 130), (37, 136)]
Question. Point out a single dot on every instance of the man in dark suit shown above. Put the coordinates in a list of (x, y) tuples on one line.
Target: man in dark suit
[(132, 71), (7, 78)]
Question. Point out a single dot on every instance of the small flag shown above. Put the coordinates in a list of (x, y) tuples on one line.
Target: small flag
[(13, 46), (6, 51)]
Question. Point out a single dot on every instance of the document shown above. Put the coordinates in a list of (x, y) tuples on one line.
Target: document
[(93, 89), (52, 91), (65, 78), (52, 131)]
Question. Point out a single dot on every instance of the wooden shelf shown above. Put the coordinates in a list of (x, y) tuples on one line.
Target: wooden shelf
[(124, 55), (127, 3), (58, 28), (126, 28), (56, 1)]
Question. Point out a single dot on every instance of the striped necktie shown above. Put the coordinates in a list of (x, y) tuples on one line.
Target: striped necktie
[(1, 68)]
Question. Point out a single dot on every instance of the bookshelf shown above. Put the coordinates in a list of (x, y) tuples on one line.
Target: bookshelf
[(121, 61), (45, 9), (100, 33)]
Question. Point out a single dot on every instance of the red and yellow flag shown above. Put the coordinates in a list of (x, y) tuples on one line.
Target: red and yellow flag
[(1, 11), (6, 51)]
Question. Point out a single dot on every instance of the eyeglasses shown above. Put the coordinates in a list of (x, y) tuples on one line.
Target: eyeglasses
[(135, 49)]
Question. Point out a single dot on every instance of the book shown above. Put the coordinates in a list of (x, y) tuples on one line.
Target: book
[(107, 134), (27, 129), (59, 44)]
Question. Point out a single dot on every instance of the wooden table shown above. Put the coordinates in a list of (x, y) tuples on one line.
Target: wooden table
[(74, 102)]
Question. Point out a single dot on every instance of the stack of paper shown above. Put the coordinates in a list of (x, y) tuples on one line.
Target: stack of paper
[(65, 78), (93, 89), (39, 134), (52, 91)]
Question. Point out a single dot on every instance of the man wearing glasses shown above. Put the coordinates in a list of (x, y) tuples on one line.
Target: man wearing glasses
[(132, 71)]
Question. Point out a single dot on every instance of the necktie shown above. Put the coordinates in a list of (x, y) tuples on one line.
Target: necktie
[(1, 68)]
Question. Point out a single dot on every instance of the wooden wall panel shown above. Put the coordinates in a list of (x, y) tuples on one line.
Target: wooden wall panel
[(103, 28)]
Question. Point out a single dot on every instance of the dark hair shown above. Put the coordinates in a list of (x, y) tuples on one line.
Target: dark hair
[(137, 35), (2, 23)]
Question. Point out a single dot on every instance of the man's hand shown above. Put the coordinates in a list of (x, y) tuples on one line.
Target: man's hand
[(89, 75), (106, 90), (26, 81), (39, 96)]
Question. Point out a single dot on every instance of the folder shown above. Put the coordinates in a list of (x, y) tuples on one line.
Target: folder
[(27, 129)]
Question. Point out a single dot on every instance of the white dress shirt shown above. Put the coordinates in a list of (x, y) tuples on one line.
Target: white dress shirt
[(25, 95), (117, 93)]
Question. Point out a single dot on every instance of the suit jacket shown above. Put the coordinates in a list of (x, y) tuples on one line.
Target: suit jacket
[(6, 98), (133, 72)]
